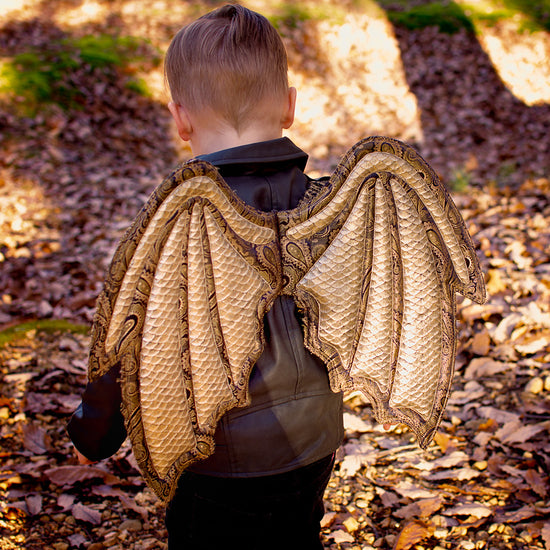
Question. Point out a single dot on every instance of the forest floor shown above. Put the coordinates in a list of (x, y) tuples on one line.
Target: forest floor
[(71, 182)]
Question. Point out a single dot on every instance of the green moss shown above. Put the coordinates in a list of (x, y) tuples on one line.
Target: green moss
[(460, 180), (448, 16), (452, 16), (20, 331), (55, 74), (536, 11), (139, 86), (291, 15)]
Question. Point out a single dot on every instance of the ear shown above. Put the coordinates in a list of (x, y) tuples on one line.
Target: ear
[(290, 108), (181, 118)]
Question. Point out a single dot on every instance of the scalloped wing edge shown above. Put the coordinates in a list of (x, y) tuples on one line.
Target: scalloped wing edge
[(189, 230), (314, 237)]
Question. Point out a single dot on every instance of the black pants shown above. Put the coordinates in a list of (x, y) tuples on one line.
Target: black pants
[(280, 512)]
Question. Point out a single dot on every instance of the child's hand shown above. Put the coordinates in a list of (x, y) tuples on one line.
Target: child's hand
[(82, 459)]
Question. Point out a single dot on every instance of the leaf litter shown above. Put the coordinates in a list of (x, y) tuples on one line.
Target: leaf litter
[(484, 481)]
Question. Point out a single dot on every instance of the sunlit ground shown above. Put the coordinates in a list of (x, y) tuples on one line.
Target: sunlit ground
[(27, 221), (522, 60), (350, 77)]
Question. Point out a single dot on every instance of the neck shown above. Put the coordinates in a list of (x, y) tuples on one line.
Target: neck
[(211, 134), (210, 142)]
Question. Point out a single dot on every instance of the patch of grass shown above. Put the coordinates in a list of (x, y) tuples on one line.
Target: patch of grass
[(56, 74), (448, 16), (460, 180), (537, 11), (292, 14), (452, 16), (17, 332)]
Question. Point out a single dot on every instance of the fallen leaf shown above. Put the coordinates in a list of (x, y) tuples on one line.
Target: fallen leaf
[(354, 423), (77, 540), (413, 533), (65, 501), (357, 455), (496, 282), (389, 499), (443, 440), (85, 513), (127, 500), (351, 524), (34, 504), (515, 516), (446, 461), (69, 475), (515, 432), (341, 536), (460, 474), (328, 519), (469, 509), (534, 346), (497, 414), (481, 343), (537, 482), (409, 490), (481, 367), (36, 439), (423, 508)]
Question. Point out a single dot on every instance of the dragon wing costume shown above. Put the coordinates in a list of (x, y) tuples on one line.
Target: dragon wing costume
[(373, 259)]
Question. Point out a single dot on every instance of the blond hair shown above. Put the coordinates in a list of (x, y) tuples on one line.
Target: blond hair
[(230, 60)]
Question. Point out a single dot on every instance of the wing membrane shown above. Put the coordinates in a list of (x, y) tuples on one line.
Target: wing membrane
[(374, 261), (185, 332)]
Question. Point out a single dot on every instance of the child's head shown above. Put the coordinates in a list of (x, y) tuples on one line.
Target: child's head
[(230, 62)]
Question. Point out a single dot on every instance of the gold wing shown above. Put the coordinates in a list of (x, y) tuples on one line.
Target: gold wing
[(374, 259), (182, 311)]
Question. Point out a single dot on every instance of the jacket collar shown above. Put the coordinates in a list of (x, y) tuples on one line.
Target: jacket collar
[(274, 151)]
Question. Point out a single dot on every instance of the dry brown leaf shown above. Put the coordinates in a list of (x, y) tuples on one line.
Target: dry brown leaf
[(354, 423), (36, 439), (69, 475), (413, 533), (473, 312), (341, 536), (443, 440), (515, 516), (537, 482), (65, 501), (481, 367), (533, 345), (460, 474), (481, 342), (85, 513), (496, 282), (34, 504), (545, 533), (351, 524), (475, 509), (127, 500), (389, 499), (423, 508), (409, 490), (328, 519), (498, 415), (516, 432)]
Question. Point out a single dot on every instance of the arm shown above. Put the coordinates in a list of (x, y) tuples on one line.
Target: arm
[(97, 426)]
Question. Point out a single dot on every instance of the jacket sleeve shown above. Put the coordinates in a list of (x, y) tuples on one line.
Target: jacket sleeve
[(97, 426)]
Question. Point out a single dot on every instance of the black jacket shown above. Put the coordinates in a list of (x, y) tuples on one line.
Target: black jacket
[(294, 418)]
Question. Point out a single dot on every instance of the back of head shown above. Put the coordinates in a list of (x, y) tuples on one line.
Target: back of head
[(231, 61)]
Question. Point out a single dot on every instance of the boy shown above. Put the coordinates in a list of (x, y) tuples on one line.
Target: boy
[(263, 486)]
